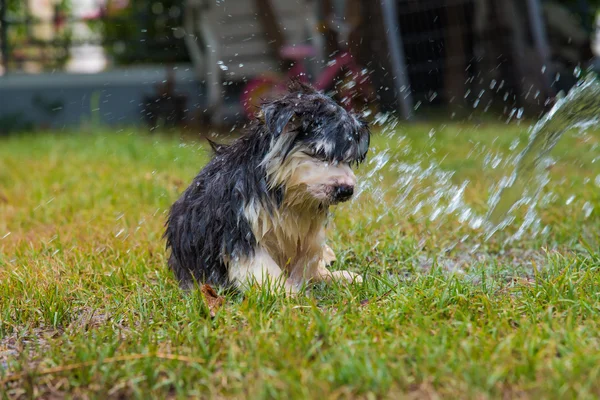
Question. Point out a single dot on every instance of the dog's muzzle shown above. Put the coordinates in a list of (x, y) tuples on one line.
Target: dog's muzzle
[(342, 193)]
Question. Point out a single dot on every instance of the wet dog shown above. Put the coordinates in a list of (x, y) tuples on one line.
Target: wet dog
[(256, 213)]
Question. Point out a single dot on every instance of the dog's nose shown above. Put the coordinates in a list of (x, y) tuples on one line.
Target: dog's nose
[(343, 192)]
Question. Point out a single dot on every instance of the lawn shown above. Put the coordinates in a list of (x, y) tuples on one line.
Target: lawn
[(89, 309)]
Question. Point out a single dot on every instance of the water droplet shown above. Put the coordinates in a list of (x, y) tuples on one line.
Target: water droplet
[(587, 209), (570, 199), (514, 144), (222, 66), (520, 113)]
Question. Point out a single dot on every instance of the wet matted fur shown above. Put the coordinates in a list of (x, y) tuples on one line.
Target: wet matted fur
[(257, 211)]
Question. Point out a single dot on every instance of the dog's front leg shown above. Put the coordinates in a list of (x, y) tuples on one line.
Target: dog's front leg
[(259, 269), (325, 275)]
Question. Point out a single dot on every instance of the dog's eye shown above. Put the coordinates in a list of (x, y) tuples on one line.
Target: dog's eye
[(317, 154), (320, 154)]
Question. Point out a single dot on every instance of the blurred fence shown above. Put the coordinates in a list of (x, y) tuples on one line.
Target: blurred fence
[(437, 38), (500, 54), (473, 54)]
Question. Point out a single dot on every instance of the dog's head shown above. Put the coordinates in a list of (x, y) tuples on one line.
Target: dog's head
[(314, 143)]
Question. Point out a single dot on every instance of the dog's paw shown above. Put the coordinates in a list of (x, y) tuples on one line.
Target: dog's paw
[(326, 275), (346, 276)]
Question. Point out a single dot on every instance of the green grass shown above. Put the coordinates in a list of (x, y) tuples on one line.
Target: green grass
[(83, 279)]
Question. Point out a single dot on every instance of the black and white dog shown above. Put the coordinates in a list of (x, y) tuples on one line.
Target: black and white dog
[(257, 211)]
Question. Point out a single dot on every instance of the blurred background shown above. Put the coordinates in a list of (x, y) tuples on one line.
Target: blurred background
[(192, 63)]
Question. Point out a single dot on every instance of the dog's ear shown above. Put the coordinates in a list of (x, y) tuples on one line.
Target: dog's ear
[(217, 148), (297, 86), (277, 116)]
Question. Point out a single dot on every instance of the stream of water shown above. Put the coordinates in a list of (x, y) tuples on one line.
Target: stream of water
[(578, 110), (427, 192)]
